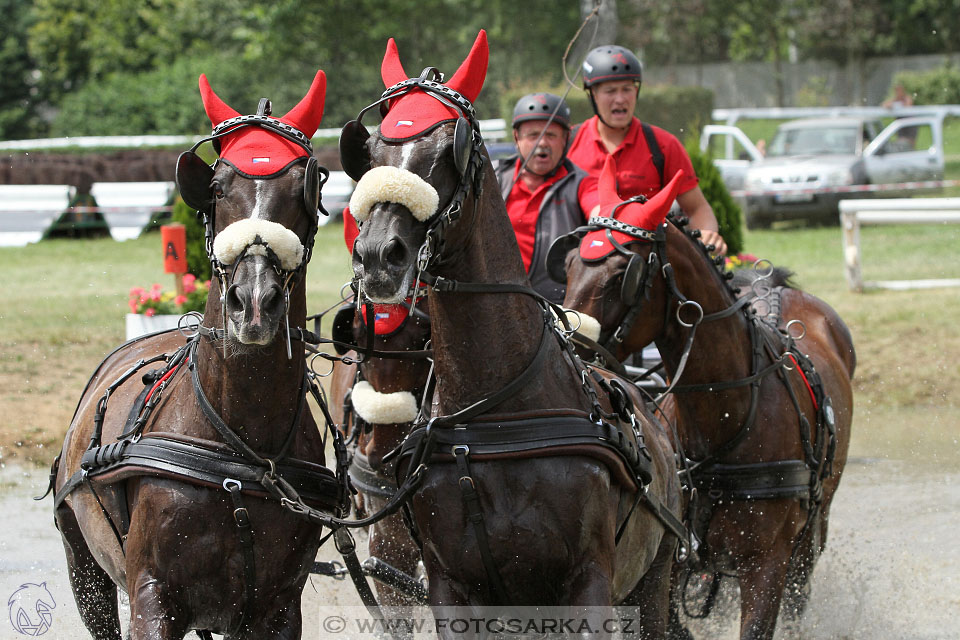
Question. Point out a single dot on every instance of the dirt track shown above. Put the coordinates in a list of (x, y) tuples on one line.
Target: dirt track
[(891, 569)]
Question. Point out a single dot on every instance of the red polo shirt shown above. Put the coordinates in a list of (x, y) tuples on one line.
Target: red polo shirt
[(523, 206), (636, 173)]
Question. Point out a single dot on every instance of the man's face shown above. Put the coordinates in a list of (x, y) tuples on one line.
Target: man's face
[(615, 102), (546, 154)]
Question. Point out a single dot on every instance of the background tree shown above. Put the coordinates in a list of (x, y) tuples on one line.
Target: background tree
[(19, 93)]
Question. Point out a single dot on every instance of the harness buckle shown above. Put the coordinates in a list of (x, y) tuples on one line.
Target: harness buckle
[(241, 517), (231, 485), (457, 449)]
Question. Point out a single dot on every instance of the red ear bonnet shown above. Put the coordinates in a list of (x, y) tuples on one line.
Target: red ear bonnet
[(350, 229), (649, 215), (416, 111), (255, 150)]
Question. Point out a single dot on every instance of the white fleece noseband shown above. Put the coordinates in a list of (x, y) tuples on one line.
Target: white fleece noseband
[(231, 242), (589, 326), (392, 184), (383, 408)]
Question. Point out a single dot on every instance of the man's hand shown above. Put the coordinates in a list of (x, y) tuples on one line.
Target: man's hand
[(708, 236)]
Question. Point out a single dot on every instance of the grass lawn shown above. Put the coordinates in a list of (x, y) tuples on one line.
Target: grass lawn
[(64, 303)]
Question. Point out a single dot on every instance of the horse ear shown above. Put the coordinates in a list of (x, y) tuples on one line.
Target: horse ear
[(308, 113), (217, 110), (391, 70), (468, 79), (656, 208), (607, 185)]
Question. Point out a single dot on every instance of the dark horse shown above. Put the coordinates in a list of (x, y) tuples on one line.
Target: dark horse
[(527, 475), (164, 486), (374, 403), (764, 400)]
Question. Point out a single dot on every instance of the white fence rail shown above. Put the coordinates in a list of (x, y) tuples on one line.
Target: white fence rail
[(854, 213), (492, 130)]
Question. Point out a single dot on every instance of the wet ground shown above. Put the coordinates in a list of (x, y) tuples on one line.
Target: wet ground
[(891, 570)]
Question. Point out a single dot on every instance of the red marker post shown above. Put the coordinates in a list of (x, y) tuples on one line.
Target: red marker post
[(174, 239)]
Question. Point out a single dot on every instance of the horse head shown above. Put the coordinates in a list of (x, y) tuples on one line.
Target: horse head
[(611, 270), (259, 203), (386, 395), (414, 173)]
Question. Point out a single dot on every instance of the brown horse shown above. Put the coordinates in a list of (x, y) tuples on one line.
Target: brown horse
[(163, 487), (374, 403), (521, 501), (764, 401)]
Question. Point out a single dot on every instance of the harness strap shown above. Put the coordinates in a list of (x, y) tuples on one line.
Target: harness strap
[(242, 518), (487, 404), (367, 480), (656, 154), (471, 502), (348, 549)]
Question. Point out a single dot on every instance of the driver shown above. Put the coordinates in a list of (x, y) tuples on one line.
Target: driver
[(647, 156), (548, 196)]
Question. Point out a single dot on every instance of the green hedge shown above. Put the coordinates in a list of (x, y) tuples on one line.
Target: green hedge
[(938, 86), (728, 212), (197, 262), (680, 110)]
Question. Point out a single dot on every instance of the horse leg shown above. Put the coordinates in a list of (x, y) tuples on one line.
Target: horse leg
[(286, 624), (651, 596), (153, 613), (94, 591), (390, 541), (761, 592)]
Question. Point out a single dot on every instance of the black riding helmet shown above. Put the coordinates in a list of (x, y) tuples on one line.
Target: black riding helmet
[(541, 106), (607, 63), (611, 62), (546, 107)]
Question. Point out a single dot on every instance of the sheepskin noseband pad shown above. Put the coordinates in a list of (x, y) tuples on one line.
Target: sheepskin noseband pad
[(392, 184), (233, 240), (589, 326), (383, 408)]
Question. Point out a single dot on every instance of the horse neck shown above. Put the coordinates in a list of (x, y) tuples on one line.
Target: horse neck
[(255, 391), (721, 350), (483, 341)]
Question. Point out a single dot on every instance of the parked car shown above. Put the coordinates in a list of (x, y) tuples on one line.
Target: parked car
[(810, 163)]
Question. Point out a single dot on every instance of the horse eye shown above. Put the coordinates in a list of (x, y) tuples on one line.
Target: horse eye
[(217, 191)]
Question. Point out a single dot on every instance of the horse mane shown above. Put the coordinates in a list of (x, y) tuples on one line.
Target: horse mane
[(739, 278), (682, 223), (781, 277)]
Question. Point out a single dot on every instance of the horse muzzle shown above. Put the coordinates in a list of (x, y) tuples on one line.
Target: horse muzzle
[(255, 302), (385, 257)]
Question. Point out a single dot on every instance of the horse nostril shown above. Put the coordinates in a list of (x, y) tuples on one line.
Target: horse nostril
[(393, 253), (233, 299), (271, 299)]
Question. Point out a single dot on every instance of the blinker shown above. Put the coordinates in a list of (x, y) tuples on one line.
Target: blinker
[(193, 178), (632, 277), (557, 256), (354, 156)]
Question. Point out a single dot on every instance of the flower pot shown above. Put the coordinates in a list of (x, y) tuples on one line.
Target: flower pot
[(139, 324)]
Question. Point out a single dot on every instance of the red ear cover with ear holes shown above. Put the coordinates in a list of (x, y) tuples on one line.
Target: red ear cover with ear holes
[(649, 215), (416, 111), (258, 151), (350, 229)]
